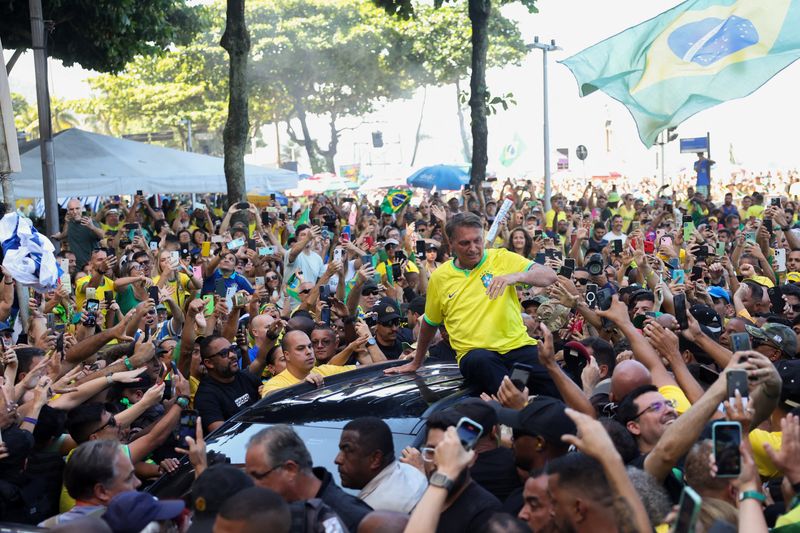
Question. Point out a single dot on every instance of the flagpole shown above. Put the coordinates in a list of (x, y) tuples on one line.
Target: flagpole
[(546, 116)]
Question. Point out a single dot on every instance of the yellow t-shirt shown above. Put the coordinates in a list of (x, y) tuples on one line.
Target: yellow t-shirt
[(458, 299), (183, 289), (100, 291), (674, 393), (381, 268), (754, 211), (194, 384), (627, 217), (286, 379), (550, 216), (759, 437)]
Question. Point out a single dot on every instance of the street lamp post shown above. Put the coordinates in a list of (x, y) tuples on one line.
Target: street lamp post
[(544, 47)]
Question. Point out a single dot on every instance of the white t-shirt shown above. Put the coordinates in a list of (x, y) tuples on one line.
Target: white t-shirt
[(611, 236), (307, 262)]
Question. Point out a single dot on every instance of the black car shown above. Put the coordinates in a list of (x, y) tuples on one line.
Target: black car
[(318, 415)]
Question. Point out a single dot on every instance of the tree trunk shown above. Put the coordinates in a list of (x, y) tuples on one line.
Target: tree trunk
[(308, 142), (236, 41), (479, 17), (333, 147), (462, 128), (419, 124)]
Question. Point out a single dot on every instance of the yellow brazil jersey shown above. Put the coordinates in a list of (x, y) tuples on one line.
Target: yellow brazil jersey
[(381, 268), (183, 289), (550, 217), (287, 379), (627, 217), (457, 298), (754, 211), (759, 437), (80, 290)]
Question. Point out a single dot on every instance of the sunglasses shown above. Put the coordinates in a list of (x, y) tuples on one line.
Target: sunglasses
[(111, 423), (371, 293), (796, 308), (581, 281), (391, 324), (271, 278), (225, 352)]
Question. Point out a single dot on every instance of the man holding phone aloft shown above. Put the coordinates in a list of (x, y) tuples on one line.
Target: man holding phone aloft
[(473, 296)]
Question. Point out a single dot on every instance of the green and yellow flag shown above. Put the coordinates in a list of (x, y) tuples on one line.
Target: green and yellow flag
[(395, 200), (694, 56)]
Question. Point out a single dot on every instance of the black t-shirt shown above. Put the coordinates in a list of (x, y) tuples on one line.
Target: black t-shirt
[(396, 350), (470, 511), (495, 471), (217, 401)]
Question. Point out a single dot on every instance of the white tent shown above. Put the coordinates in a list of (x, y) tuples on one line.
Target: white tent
[(90, 164)]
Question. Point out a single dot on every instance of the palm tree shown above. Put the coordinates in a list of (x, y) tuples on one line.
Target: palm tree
[(62, 117)]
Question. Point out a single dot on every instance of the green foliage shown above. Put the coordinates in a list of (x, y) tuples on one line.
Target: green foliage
[(103, 35), (26, 116)]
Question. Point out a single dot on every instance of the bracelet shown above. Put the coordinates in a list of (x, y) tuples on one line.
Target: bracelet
[(128, 364), (30, 420), (752, 494), (183, 401), (110, 379)]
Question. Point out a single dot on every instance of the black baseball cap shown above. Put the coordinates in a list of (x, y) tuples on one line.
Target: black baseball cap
[(543, 416), (709, 320), (479, 411), (386, 309), (209, 492), (790, 375)]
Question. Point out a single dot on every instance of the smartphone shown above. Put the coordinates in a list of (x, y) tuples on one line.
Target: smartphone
[(260, 281), (679, 275), (569, 263), (92, 305), (721, 249), (205, 249), (420, 249), (217, 238), (153, 245), (768, 224), (266, 250), (591, 295), (208, 310), (197, 272), (540, 258), (737, 380), (604, 299), (740, 342), (265, 220), (780, 259), (51, 321), (337, 254), (175, 258), (688, 511), (345, 234), (679, 302), (750, 236), (565, 271), (776, 201), (697, 273), (666, 240), (688, 230), (617, 246), (397, 271), (325, 315), (241, 206), (153, 293), (188, 426), (139, 192), (634, 225), (649, 247), (109, 297), (369, 241), (251, 243), (520, 373), (366, 259), (236, 243), (727, 437), (469, 432), (219, 288), (91, 293)]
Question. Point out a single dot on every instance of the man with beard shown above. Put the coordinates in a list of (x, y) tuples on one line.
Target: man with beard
[(646, 414), (389, 336), (82, 233), (468, 506), (537, 507), (100, 264), (225, 389)]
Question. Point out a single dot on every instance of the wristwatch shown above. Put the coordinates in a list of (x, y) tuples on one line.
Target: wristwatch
[(371, 341), (440, 480), (752, 494)]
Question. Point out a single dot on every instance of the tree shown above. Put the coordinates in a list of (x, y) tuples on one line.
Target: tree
[(236, 41), (102, 35), (479, 14)]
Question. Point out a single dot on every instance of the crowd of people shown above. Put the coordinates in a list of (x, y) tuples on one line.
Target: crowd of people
[(612, 341)]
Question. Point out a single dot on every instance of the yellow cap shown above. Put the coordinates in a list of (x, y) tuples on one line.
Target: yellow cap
[(762, 280)]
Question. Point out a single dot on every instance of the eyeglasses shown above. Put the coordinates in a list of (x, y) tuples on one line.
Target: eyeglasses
[(581, 281), (261, 475), (271, 278), (427, 454), (391, 323), (144, 263), (371, 293), (796, 308), (111, 423), (225, 352), (656, 407)]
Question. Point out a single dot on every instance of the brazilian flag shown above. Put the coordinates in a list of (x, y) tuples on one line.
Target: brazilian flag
[(395, 200), (694, 56)]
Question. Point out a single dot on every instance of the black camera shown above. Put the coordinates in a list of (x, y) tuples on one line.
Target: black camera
[(594, 265)]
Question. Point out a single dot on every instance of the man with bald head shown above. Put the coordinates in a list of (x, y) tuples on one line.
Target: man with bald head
[(298, 351), (82, 233), (628, 375)]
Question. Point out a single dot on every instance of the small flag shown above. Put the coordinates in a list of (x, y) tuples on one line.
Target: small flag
[(694, 56), (395, 200), (512, 151), (304, 217)]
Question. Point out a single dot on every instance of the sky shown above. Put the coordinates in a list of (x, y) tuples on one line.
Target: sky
[(760, 127)]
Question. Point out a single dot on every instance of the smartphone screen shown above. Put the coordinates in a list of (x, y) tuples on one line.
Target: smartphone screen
[(469, 432), (727, 437), (219, 288), (520, 374), (679, 301), (153, 293), (688, 511), (420, 249)]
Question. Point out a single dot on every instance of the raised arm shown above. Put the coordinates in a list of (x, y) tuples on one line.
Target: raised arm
[(569, 390)]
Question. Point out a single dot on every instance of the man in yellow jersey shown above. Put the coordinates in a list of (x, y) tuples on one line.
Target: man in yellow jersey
[(473, 295)]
